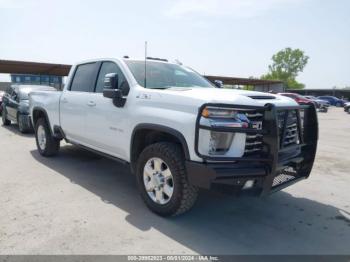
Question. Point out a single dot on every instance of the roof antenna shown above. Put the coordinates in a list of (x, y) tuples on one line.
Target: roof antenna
[(145, 84)]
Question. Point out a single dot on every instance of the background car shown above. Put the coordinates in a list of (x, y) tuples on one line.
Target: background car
[(347, 107), (298, 98), (322, 105), (334, 101), (15, 104), (1, 95)]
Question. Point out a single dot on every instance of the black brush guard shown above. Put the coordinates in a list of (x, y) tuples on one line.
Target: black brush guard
[(277, 167)]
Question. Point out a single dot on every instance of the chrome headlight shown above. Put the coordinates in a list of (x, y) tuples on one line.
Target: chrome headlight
[(214, 143), (217, 112)]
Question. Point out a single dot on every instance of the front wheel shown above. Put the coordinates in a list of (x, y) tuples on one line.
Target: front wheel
[(162, 180), (5, 121), (47, 144), (22, 124)]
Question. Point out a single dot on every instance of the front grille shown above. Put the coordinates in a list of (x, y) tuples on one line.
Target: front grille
[(254, 142), (284, 176), (288, 128)]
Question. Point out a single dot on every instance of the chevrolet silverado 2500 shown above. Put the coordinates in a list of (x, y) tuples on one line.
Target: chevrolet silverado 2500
[(176, 131)]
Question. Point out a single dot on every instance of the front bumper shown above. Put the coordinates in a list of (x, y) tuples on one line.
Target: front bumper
[(275, 168)]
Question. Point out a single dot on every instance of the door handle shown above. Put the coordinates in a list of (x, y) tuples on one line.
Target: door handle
[(91, 103), (64, 100)]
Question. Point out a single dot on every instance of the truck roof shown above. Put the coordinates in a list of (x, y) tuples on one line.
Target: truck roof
[(149, 59)]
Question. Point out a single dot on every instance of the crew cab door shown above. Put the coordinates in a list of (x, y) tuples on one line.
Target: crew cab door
[(12, 104), (74, 102), (106, 123)]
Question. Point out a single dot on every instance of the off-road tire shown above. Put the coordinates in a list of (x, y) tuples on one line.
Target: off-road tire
[(22, 127), (184, 195), (52, 144), (5, 121)]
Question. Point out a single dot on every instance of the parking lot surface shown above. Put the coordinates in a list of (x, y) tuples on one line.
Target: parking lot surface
[(81, 203)]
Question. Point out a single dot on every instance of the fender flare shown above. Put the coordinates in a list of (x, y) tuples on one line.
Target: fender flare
[(38, 108), (164, 129)]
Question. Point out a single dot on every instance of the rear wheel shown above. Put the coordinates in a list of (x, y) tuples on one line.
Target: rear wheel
[(162, 180), (5, 121), (47, 144)]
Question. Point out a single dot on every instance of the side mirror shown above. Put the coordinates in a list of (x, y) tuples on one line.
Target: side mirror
[(111, 81), (218, 83), (116, 95), (112, 90)]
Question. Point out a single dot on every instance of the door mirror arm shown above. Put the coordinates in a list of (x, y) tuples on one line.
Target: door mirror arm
[(116, 95)]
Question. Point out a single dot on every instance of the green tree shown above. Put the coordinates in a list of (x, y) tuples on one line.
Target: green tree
[(286, 65)]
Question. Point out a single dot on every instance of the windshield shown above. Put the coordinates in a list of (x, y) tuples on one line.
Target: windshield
[(164, 75)]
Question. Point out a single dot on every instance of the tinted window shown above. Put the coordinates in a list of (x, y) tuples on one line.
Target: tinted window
[(84, 78), (106, 68), (14, 94)]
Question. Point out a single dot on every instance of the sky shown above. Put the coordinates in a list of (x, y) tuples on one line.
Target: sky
[(215, 37)]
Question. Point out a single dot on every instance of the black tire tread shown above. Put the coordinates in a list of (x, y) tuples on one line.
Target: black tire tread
[(21, 126), (52, 143), (173, 152), (189, 193), (5, 121)]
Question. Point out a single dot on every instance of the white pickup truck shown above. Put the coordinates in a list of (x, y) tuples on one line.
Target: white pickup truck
[(177, 131)]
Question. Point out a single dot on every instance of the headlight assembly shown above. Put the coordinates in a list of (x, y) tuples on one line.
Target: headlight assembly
[(215, 143), (215, 112)]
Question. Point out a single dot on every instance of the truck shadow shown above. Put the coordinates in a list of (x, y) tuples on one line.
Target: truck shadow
[(279, 224)]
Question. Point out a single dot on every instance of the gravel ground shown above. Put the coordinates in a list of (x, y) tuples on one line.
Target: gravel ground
[(81, 203)]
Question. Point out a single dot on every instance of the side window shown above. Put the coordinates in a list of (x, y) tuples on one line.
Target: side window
[(84, 78), (14, 94), (106, 68)]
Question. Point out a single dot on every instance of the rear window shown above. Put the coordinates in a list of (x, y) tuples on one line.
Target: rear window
[(84, 77)]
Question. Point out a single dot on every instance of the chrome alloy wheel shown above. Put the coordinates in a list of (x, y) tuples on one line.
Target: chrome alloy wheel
[(41, 137), (158, 180)]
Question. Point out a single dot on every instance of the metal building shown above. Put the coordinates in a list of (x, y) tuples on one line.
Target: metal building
[(55, 81)]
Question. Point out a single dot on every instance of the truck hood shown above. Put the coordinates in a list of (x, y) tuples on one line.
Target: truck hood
[(199, 96)]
